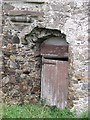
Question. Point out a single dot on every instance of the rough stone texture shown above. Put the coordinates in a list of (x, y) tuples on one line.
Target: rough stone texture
[(33, 21), (1, 62)]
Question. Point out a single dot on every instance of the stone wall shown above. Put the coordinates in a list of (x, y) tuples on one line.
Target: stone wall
[(1, 62), (25, 24)]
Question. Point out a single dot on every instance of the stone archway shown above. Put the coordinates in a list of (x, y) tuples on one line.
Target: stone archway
[(35, 40), (25, 79)]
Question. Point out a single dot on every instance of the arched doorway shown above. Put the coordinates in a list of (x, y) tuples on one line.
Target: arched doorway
[(54, 74), (49, 51)]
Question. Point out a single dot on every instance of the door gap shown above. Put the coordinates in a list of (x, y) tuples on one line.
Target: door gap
[(59, 59)]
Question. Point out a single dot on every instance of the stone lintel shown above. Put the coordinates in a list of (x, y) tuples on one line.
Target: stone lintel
[(27, 1), (24, 12)]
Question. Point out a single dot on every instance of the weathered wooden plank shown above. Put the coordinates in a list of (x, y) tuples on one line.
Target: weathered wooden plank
[(62, 83), (54, 83), (54, 50), (47, 75)]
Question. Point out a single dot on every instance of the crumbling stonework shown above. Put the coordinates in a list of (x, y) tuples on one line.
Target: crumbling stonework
[(26, 24)]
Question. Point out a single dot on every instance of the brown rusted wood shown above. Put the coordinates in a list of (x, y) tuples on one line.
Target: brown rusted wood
[(52, 63), (54, 83), (61, 51)]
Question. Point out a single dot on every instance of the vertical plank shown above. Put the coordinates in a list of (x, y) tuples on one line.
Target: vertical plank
[(62, 73), (54, 85), (48, 71)]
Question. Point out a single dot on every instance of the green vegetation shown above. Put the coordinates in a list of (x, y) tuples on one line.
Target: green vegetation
[(1, 110), (37, 111), (85, 115)]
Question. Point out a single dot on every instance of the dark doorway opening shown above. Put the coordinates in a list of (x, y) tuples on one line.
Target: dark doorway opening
[(59, 59), (54, 74)]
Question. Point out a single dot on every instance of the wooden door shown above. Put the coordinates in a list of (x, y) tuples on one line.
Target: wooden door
[(54, 83)]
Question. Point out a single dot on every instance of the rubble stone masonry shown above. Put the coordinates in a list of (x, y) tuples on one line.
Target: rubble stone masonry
[(25, 24)]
